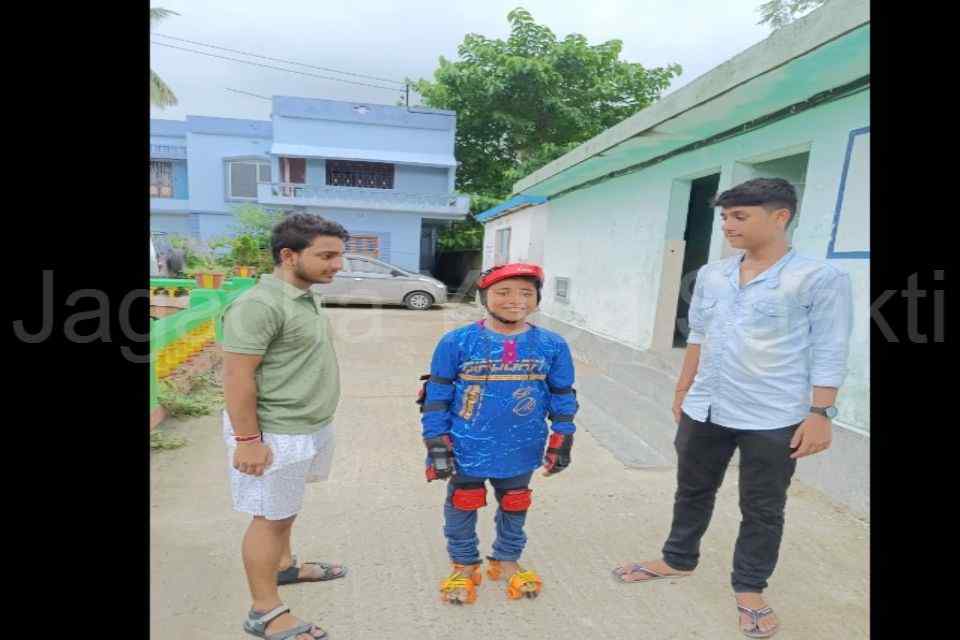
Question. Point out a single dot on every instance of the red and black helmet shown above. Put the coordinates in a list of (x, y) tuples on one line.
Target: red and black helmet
[(512, 270)]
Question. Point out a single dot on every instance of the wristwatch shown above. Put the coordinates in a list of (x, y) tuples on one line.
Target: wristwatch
[(828, 412)]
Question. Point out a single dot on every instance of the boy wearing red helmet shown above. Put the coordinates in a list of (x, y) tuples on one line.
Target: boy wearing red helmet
[(492, 387)]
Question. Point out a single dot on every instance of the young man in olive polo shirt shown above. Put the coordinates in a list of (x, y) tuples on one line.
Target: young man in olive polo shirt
[(281, 386)]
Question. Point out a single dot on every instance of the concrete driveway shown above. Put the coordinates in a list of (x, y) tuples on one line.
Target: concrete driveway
[(379, 516)]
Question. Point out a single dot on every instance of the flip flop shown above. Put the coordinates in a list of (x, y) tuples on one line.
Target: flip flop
[(620, 572), (291, 575), (755, 614)]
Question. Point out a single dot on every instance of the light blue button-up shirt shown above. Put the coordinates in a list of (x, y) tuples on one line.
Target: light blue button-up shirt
[(764, 346)]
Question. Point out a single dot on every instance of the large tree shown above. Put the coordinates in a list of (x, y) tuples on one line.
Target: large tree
[(160, 94), (526, 100)]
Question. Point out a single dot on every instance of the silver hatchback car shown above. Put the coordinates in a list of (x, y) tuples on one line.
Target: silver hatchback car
[(366, 280)]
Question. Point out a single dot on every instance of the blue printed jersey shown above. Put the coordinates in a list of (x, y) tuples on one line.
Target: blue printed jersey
[(493, 395)]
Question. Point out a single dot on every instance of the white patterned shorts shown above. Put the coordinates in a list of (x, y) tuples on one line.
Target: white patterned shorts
[(297, 460)]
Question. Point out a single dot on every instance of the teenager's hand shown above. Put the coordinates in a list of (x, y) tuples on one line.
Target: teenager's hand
[(812, 436), (252, 458), (678, 397)]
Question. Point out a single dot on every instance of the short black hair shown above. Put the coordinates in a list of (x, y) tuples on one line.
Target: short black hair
[(769, 193), (297, 230)]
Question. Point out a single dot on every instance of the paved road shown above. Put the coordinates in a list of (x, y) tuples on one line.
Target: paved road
[(379, 516)]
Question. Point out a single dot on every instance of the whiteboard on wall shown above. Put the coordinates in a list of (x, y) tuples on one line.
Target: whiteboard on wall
[(850, 237)]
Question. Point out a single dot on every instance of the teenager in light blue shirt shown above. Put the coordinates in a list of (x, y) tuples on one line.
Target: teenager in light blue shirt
[(766, 354)]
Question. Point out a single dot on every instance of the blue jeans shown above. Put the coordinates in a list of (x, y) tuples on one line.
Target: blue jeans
[(460, 527)]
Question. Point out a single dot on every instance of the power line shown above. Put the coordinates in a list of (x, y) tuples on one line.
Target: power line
[(247, 93), (256, 55), (257, 95), (269, 66)]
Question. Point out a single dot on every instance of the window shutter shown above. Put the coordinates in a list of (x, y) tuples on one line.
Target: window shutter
[(364, 245)]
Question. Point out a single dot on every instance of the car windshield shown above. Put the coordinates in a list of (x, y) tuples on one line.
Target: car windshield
[(363, 265)]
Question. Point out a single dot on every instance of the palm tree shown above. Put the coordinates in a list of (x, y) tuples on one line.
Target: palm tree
[(160, 94)]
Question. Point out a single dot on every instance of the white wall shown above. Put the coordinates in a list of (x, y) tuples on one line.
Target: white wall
[(528, 228), (609, 239)]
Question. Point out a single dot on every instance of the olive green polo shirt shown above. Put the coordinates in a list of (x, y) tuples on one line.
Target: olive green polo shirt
[(298, 381)]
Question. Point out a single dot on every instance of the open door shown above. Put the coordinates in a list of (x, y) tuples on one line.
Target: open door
[(700, 218), (293, 171)]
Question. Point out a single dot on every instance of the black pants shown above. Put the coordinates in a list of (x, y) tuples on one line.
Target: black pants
[(704, 450)]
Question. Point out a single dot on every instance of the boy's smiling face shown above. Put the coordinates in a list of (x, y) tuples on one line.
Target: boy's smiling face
[(512, 299)]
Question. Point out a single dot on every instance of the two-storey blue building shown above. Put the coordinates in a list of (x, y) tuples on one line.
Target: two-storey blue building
[(386, 173)]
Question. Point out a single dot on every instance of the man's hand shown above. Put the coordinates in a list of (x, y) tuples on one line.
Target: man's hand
[(252, 458), (678, 397), (812, 436)]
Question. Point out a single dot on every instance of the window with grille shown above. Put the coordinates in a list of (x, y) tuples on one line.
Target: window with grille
[(501, 253), (364, 245), (562, 289), (243, 177), (369, 175), (161, 179)]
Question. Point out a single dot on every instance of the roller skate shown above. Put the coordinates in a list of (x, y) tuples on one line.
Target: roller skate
[(525, 583), (460, 587)]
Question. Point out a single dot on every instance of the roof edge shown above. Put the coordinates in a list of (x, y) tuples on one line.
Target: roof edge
[(509, 206), (830, 21)]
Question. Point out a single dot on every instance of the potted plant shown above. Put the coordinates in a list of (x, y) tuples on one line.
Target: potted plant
[(207, 274)]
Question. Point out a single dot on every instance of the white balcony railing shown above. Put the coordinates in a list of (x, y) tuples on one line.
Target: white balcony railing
[(358, 198), (168, 151)]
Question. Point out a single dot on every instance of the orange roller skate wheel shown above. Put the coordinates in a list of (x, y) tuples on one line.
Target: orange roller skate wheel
[(524, 584), (460, 587)]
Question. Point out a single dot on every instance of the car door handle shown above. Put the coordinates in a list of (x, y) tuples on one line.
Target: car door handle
[(358, 278)]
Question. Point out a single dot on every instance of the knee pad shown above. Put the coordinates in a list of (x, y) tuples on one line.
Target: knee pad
[(516, 499), (469, 498)]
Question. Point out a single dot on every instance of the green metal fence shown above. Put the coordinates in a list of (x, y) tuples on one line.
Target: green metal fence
[(173, 337)]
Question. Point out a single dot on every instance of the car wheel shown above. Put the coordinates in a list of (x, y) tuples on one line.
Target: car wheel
[(418, 301)]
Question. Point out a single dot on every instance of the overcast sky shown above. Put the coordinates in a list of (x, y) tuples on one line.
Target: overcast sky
[(398, 39)]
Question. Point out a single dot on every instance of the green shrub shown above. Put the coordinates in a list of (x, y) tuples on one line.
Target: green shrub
[(203, 398), (164, 440)]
